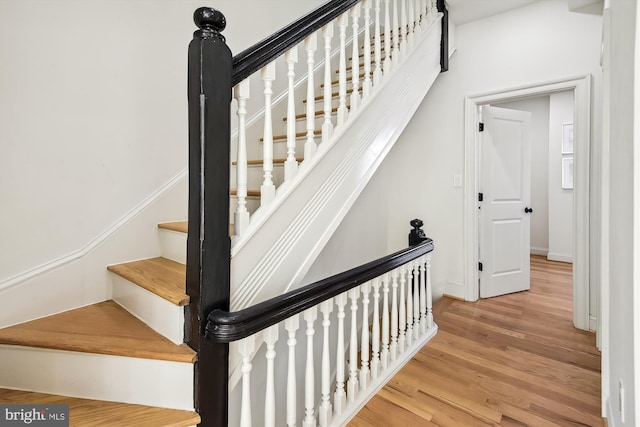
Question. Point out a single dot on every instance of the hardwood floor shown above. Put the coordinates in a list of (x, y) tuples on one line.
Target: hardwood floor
[(514, 360)]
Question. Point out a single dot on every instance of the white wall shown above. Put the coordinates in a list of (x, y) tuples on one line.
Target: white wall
[(537, 43), (560, 199), (539, 109), (93, 114)]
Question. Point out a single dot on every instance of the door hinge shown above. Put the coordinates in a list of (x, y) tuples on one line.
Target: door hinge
[(481, 127), (479, 266), (480, 197)]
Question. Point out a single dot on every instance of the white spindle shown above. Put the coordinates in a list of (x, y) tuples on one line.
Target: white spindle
[(429, 304), (412, 22), (403, 27), (310, 316), (291, 164), (377, 72), (396, 34), (324, 412), (408, 270), (270, 339), (291, 325), (423, 293), (327, 125), (366, 84), (340, 397), (241, 217), (352, 384), (355, 59), (387, 37), (268, 189), (310, 45), (384, 354), (365, 373), (375, 330), (343, 21), (246, 348), (415, 283), (394, 316), (402, 320)]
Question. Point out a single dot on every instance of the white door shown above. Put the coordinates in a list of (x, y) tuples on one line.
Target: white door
[(505, 184)]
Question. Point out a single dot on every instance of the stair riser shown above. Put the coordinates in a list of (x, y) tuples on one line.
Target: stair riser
[(93, 376), (174, 245), (159, 314)]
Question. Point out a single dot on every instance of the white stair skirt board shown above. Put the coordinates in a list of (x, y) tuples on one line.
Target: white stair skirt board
[(174, 245), (96, 376), (288, 238), (162, 316), (366, 394)]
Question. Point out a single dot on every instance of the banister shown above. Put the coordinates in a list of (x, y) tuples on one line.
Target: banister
[(260, 54), (224, 326)]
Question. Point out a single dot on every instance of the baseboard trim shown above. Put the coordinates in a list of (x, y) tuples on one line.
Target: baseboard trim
[(454, 290), (539, 251), (559, 257)]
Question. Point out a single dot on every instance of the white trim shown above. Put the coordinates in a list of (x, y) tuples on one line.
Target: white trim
[(539, 251), (593, 323), (552, 256), (58, 262), (582, 136)]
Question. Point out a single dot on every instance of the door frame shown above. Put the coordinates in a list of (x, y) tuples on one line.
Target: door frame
[(581, 86)]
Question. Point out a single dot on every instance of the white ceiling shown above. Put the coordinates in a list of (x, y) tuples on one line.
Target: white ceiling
[(463, 11)]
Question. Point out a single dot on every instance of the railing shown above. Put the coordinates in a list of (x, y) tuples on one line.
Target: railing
[(390, 26), (389, 301)]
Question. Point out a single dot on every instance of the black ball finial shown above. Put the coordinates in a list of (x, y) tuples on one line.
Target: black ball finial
[(209, 19)]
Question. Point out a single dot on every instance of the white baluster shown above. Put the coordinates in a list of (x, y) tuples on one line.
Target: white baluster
[(393, 349), (396, 34), (414, 276), (310, 316), (384, 354), (310, 45), (407, 271), (422, 8), (366, 85), (422, 273), (270, 339), (268, 189), (429, 296), (419, 16), (291, 164), (343, 21), (352, 384), (327, 125), (375, 330), (355, 59), (412, 22), (241, 217), (324, 412), (291, 325), (246, 348), (340, 397), (377, 72), (387, 37), (402, 33), (365, 373), (402, 321)]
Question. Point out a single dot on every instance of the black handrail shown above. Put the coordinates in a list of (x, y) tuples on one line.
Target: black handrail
[(262, 53), (224, 326)]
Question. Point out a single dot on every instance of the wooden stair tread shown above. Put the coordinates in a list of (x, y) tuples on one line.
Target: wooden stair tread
[(160, 276), (298, 134), (102, 328), (260, 161), (179, 226), (100, 413), (250, 193)]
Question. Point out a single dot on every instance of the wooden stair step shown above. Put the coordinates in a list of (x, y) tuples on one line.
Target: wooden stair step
[(348, 79), (250, 193), (100, 413), (160, 276), (298, 134), (333, 96), (260, 161), (183, 226), (102, 328)]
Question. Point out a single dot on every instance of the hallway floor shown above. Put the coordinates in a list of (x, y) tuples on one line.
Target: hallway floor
[(514, 360)]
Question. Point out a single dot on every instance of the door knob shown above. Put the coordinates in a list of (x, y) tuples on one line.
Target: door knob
[(528, 210)]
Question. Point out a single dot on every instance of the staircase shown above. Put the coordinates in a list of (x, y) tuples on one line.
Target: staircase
[(123, 361)]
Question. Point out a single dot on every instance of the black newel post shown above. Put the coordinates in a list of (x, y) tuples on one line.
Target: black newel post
[(444, 43), (416, 235), (208, 245)]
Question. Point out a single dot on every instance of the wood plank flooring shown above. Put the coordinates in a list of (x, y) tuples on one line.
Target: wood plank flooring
[(514, 360)]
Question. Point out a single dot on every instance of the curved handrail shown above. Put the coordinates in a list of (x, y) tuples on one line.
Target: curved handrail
[(224, 326), (262, 53)]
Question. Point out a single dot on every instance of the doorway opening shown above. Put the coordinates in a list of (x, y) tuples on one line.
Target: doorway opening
[(581, 130)]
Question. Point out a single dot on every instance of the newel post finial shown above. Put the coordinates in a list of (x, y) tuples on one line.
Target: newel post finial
[(210, 21), (416, 236)]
